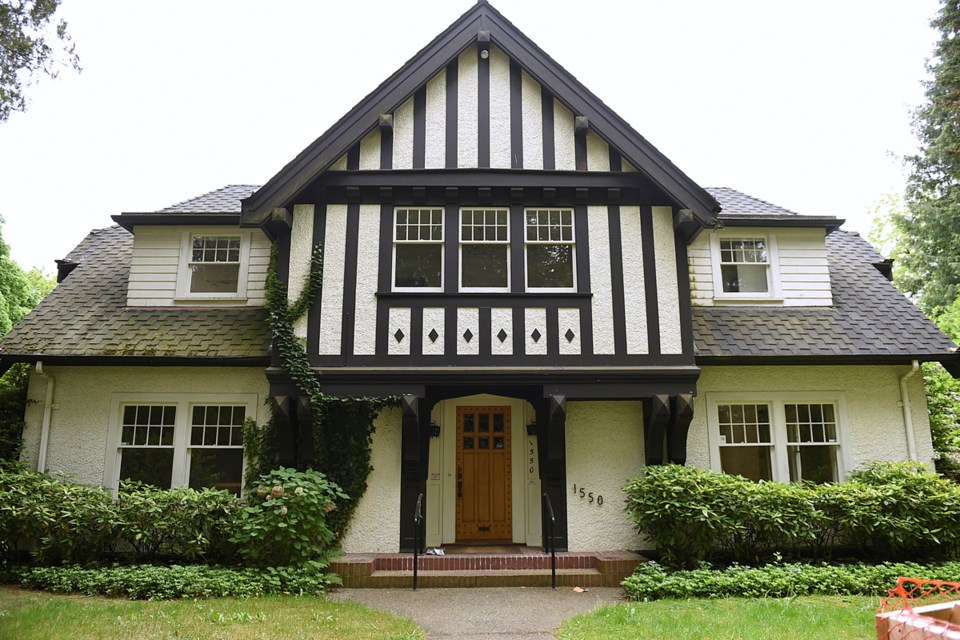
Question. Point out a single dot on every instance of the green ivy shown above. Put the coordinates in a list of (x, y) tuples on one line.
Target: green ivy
[(342, 428)]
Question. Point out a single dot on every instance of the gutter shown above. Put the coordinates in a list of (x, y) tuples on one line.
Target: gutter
[(45, 425), (905, 403)]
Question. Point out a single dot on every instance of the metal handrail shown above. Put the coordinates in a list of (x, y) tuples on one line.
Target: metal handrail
[(417, 519), (549, 540)]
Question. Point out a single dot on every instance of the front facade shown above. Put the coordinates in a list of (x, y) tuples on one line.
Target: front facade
[(553, 301)]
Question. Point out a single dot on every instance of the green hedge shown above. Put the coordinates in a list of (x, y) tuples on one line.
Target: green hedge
[(154, 582), (888, 511), (653, 582)]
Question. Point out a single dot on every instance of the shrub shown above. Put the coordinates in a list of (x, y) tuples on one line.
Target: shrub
[(168, 582), (285, 522), (652, 582)]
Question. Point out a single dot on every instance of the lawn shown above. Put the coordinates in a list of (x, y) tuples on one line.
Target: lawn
[(808, 617), (31, 615)]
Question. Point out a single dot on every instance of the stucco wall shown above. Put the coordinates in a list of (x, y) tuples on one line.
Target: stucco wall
[(375, 527), (604, 450), (874, 430), (80, 419)]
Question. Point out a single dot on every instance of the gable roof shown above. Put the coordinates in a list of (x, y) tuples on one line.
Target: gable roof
[(482, 17), (869, 319), (85, 319)]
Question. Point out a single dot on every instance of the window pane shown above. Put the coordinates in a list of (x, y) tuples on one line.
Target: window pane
[(744, 278), (150, 466), (214, 278), (550, 266), (418, 265), (752, 463), (484, 265), (216, 468), (816, 463)]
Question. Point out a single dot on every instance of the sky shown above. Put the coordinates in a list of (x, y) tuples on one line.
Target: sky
[(803, 104)]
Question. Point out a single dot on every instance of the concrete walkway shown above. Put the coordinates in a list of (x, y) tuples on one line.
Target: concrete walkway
[(501, 613)]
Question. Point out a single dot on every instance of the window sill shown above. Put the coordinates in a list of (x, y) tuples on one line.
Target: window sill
[(767, 300), (205, 300), (473, 294)]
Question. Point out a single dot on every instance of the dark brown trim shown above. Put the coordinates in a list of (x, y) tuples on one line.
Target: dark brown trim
[(817, 222), (386, 148), (546, 111), (384, 275), (616, 279), (683, 291), (616, 160), (129, 220), (351, 243), (451, 251), (516, 115), (420, 127), (483, 110), (138, 360), (452, 108), (313, 315), (582, 231), (353, 157), (650, 280)]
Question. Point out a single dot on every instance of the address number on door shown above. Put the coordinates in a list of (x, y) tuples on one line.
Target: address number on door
[(587, 495)]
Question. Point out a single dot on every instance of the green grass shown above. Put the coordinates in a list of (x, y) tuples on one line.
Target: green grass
[(33, 615), (803, 618)]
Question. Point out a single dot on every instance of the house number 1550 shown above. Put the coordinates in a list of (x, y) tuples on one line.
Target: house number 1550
[(587, 495)]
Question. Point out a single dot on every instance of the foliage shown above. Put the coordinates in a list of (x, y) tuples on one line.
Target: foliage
[(13, 402), (27, 29), (653, 582), (285, 520), (166, 582), (887, 510)]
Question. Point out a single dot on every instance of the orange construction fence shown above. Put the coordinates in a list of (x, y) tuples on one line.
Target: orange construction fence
[(920, 609)]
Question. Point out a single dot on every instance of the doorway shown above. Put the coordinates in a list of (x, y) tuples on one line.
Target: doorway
[(483, 482)]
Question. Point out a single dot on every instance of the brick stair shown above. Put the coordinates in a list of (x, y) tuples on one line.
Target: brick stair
[(395, 570)]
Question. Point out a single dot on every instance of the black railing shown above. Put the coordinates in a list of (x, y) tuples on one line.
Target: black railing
[(417, 519), (549, 541)]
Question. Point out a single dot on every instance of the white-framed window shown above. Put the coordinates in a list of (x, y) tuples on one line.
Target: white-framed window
[(484, 249), (550, 249), (214, 264), (745, 266), (418, 249), (786, 437), (170, 440)]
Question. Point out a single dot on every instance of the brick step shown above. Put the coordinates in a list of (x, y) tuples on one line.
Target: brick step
[(481, 562), (478, 578)]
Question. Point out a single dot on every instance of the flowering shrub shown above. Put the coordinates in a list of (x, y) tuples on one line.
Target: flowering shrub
[(285, 520)]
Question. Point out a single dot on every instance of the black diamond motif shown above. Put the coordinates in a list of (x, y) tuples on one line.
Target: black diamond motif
[(399, 335), (536, 335), (468, 335), (433, 335), (569, 335), (502, 335)]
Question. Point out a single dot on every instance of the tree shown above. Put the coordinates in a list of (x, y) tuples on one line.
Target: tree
[(930, 223), (27, 29)]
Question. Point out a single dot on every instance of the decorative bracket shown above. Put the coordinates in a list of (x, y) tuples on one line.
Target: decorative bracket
[(656, 417), (680, 418)]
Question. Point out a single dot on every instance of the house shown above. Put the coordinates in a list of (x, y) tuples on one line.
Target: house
[(557, 304)]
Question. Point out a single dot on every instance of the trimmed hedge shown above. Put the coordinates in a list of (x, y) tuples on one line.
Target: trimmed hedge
[(141, 582), (888, 511), (653, 582)]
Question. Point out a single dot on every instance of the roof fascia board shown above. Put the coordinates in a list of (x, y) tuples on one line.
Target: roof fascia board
[(137, 360), (823, 222), (948, 360), (300, 172), (129, 220)]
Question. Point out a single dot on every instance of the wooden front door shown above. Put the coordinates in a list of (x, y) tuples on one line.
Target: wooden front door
[(484, 505)]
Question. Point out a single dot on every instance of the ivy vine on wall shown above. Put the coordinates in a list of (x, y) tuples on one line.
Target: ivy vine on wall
[(341, 427)]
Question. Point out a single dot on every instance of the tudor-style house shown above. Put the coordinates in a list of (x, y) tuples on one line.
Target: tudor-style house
[(557, 304)]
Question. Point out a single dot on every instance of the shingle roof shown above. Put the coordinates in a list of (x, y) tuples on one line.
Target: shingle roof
[(223, 200), (86, 315), (869, 317), (738, 203)]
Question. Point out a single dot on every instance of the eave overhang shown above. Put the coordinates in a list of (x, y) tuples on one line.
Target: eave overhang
[(950, 361), (139, 360), (794, 221), (129, 220), (287, 185)]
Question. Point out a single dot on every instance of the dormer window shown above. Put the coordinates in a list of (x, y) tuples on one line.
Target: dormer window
[(215, 264), (418, 249), (745, 267)]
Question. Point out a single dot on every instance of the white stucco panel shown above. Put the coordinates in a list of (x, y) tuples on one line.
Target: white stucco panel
[(468, 319), (668, 293), (565, 153), (600, 280), (433, 320), (403, 136), (634, 291), (370, 151), (368, 264), (468, 149), (532, 115), (604, 450), (500, 142), (301, 248), (331, 297), (598, 153), (535, 319), (501, 319), (568, 320), (398, 333), (435, 156)]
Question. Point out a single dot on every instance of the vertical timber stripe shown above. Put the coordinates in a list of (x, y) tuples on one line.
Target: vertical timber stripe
[(483, 339), (420, 128), (564, 151), (370, 154), (616, 162), (353, 157), (319, 232), (516, 116), (598, 153), (650, 280), (386, 149), (435, 124), (600, 279), (501, 111), (331, 301), (350, 277), (301, 246), (518, 261), (582, 231), (403, 136), (667, 288), (546, 109), (519, 331), (368, 268), (451, 249), (683, 280), (532, 120), (483, 111), (468, 102), (635, 316), (553, 333), (451, 114), (580, 149), (385, 275), (616, 279), (415, 337)]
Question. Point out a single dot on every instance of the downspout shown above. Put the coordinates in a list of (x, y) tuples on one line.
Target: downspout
[(907, 417), (45, 425)]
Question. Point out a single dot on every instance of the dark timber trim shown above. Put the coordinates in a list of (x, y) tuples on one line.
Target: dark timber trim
[(683, 290), (129, 220), (681, 413), (451, 249), (420, 127), (516, 115), (483, 109), (616, 160), (656, 417), (822, 222), (650, 280), (348, 325), (384, 274), (582, 231), (551, 445), (452, 109), (546, 111), (313, 315), (415, 439), (386, 148), (616, 279), (353, 157)]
